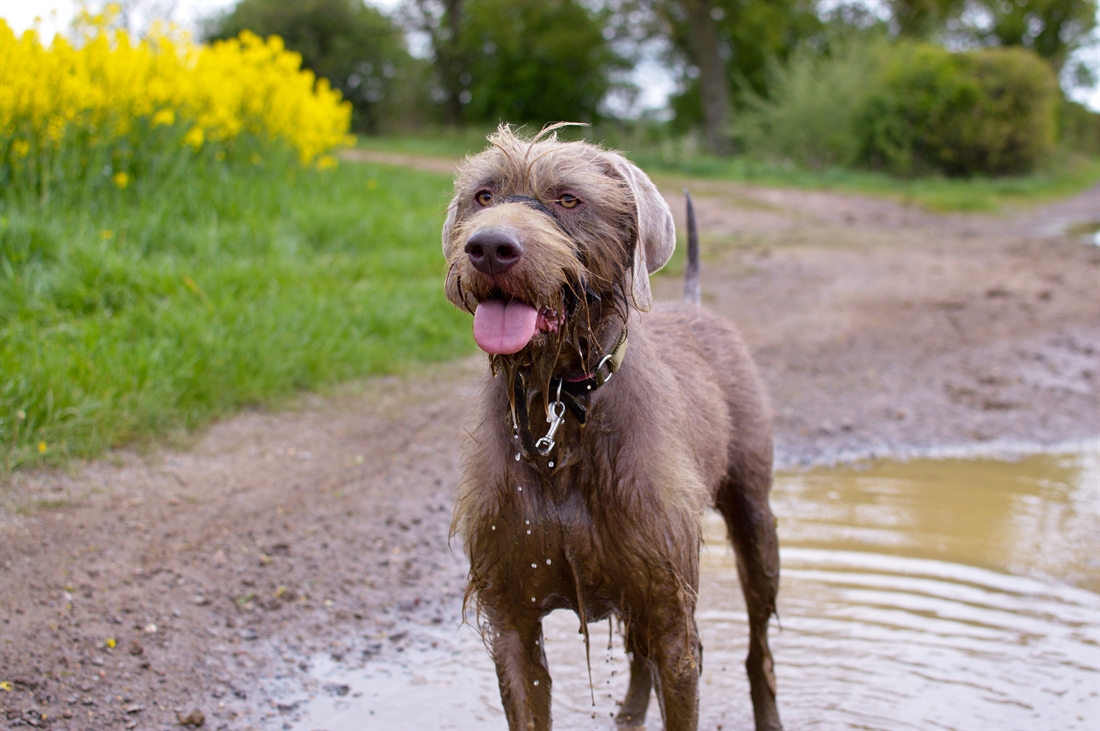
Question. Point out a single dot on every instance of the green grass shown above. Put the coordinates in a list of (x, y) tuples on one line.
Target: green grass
[(1064, 175), (129, 315), (444, 143)]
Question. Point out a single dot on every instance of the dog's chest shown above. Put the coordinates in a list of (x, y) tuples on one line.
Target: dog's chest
[(550, 551)]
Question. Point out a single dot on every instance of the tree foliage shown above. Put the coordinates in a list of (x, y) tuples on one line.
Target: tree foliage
[(361, 51), (1054, 29), (751, 35), (923, 19), (521, 61), (991, 111)]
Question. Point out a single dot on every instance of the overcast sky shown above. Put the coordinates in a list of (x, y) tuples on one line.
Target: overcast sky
[(55, 15)]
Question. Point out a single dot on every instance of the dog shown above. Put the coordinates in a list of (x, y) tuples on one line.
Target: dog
[(604, 429)]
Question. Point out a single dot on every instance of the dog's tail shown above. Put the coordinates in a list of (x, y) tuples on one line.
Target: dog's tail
[(691, 274)]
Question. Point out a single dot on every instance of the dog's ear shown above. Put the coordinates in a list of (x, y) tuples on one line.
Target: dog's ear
[(452, 210), (656, 231)]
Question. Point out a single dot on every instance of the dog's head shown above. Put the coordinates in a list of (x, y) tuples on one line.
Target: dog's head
[(548, 242)]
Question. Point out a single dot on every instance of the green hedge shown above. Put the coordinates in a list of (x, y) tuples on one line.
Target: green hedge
[(992, 111), (910, 109), (1080, 128)]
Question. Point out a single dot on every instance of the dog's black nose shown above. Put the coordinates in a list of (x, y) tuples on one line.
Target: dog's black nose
[(494, 250)]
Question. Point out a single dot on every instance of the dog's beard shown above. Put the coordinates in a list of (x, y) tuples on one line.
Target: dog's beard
[(591, 324)]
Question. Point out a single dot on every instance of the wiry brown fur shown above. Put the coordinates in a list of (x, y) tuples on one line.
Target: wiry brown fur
[(612, 527)]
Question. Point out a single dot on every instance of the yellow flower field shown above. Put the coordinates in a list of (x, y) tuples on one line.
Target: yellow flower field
[(163, 94)]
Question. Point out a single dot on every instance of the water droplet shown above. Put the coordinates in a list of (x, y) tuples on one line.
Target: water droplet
[(528, 531), (532, 598), (534, 565), (494, 527), (521, 488), (517, 456), (536, 682), (551, 464), (547, 562), (527, 522)]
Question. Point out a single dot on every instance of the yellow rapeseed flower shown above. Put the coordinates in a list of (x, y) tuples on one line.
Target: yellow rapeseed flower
[(109, 88), (41, 447), (194, 137), (121, 180)]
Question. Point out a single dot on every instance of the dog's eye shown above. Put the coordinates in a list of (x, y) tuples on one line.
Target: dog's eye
[(568, 201), (483, 197)]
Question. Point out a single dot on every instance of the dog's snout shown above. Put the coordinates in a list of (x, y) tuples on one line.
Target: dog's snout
[(494, 250)]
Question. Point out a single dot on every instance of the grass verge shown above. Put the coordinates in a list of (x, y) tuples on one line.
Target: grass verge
[(159, 307)]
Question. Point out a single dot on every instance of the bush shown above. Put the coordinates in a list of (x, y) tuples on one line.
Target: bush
[(1079, 128), (811, 114), (908, 109), (990, 111)]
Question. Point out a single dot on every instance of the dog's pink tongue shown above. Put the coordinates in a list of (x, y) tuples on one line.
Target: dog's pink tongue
[(504, 327)]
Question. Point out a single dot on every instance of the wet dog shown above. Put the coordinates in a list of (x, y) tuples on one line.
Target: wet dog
[(605, 428)]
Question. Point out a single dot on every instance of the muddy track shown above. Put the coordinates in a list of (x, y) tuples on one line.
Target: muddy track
[(146, 590)]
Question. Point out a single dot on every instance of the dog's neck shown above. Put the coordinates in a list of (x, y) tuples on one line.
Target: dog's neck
[(567, 397)]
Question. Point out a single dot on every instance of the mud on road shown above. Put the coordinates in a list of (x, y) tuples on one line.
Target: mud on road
[(158, 589)]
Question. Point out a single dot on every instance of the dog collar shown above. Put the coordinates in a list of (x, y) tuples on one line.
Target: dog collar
[(568, 393), (609, 365)]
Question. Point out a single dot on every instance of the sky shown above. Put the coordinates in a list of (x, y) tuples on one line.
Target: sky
[(656, 83)]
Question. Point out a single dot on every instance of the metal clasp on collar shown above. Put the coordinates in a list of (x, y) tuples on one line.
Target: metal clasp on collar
[(556, 417)]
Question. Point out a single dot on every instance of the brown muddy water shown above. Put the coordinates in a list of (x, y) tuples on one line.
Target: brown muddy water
[(951, 593)]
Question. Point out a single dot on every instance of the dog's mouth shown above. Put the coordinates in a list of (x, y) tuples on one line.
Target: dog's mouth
[(503, 325)]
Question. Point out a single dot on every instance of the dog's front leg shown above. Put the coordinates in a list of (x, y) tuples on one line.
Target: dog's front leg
[(522, 673), (677, 653)]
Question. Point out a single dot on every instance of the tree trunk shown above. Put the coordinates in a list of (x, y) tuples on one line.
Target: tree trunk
[(451, 65), (713, 85), (446, 46)]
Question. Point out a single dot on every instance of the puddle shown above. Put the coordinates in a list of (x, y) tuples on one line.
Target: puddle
[(955, 594), (1089, 231)]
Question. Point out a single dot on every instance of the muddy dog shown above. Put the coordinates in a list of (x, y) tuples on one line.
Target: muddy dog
[(603, 431)]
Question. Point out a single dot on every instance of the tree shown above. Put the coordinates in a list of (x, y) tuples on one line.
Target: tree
[(713, 83), (441, 21), (517, 60), (745, 36), (361, 51), (1054, 29), (922, 19)]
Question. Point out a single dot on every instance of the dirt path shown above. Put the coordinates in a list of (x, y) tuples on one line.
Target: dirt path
[(145, 590)]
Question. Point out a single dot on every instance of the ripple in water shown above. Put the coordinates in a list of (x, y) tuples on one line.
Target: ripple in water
[(950, 594)]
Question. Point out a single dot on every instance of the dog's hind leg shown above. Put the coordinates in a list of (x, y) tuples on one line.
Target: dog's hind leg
[(743, 502), (636, 702), (517, 649)]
